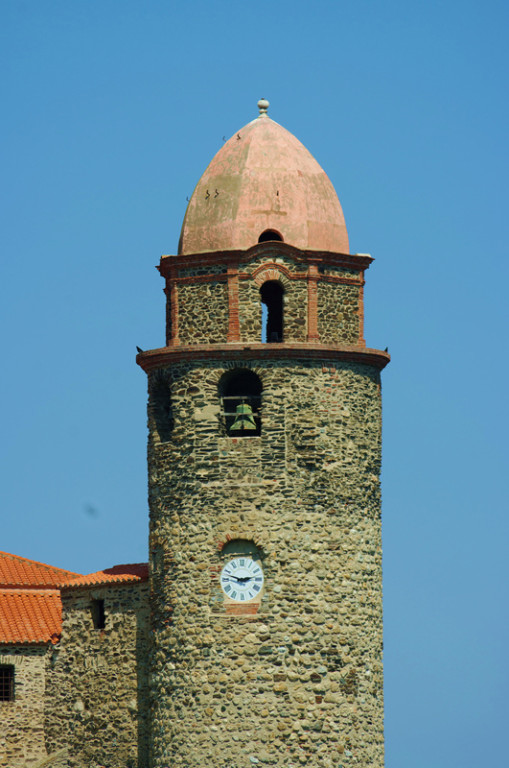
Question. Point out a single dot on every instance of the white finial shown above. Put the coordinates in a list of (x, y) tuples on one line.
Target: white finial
[(263, 106)]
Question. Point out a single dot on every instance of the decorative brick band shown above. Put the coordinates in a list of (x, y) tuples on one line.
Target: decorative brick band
[(313, 303), (233, 305), (271, 271), (361, 312), (174, 308)]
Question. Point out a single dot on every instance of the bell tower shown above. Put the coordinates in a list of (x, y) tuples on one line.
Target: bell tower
[(264, 458)]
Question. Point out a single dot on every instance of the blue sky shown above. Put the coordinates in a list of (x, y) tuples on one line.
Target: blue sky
[(111, 111)]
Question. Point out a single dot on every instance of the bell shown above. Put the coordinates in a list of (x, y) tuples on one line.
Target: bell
[(244, 419)]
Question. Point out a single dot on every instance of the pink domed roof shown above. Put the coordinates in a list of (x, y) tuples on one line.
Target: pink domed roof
[(262, 179)]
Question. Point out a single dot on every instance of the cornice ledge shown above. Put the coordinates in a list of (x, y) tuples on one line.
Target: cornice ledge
[(159, 358), (358, 261)]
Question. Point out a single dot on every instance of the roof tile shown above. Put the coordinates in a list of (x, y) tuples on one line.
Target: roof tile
[(30, 616), (118, 574), (20, 572)]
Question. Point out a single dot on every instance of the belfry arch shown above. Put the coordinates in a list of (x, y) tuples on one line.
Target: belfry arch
[(272, 298)]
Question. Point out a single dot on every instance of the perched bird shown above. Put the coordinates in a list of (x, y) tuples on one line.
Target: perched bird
[(139, 350)]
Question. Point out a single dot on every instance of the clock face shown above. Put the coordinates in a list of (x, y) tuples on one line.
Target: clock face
[(242, 579)]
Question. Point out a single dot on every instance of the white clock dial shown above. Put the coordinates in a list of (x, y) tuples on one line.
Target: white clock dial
[(242, 579)]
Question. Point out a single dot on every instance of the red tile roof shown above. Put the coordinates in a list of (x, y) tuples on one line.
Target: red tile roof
[(118, 574), (30, 603), (20, 572), (30, 616)]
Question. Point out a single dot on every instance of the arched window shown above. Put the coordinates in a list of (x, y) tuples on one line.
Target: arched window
[(272, 293), (240, 391), (270, 234)]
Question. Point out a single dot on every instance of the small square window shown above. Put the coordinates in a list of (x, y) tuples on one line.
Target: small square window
[(6, 682)]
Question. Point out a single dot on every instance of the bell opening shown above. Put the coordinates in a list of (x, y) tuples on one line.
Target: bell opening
[(240, 393)]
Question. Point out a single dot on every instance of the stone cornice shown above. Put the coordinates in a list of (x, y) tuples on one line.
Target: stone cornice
[(159, 358)]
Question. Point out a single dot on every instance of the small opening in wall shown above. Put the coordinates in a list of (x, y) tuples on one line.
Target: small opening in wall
[(162, 409), (6, 682), (98, 614), (240, 392), (272, 293), (270, 234)]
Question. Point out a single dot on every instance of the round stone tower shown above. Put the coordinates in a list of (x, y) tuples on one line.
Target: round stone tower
[(264, 462)]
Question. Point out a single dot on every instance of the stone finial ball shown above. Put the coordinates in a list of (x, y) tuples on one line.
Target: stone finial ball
[(263, 106)]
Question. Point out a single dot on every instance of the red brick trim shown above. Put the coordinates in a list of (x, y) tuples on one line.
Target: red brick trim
[(241, 609), (161, 358), (362, 342), (174, 307), (233, 305), (272, 271), (313, 278)]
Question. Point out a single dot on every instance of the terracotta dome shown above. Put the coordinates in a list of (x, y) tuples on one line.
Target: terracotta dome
[(263, 179)]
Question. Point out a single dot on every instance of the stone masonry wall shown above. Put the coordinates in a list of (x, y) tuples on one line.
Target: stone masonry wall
[(203, 312), (97, 680), (338, 313), (22, 720), (298, 681)]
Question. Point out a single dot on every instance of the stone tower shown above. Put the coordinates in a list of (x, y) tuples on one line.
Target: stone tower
[(264, 462)]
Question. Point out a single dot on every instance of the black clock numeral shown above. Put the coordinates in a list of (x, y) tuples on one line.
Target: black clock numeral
[(242, 562), (256, 587), (228, 588), (234, 594), (251, 595)]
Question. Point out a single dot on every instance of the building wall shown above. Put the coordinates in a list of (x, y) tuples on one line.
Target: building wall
[(338, 313), (96, 699), (203, 312), (299, 680), (22, 741)]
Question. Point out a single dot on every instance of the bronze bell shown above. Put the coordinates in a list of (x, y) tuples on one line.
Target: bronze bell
[(244, 419)]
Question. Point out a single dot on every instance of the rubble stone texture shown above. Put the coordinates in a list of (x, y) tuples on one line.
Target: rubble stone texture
[(96, 689), (301, 681), (22, 720)]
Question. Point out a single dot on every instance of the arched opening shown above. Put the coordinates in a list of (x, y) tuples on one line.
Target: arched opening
[(162, 410), (271, 294), (240, 391), (270, 234)]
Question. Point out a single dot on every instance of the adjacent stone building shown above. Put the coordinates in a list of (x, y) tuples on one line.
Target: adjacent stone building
[(254, 636)]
